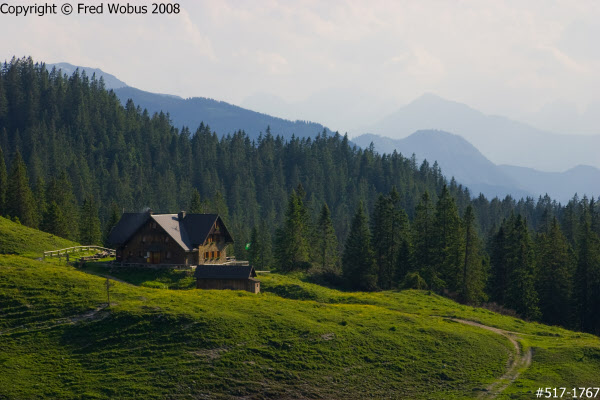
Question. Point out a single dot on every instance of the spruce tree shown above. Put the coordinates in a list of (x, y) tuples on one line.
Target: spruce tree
[(474, 276), (521, 293), (291, 245), (19, 198), (382, 241), (255, 248), (358, 261), (587, 282), (326, 245), (113, 219), (556, 264), (423, 230), (89, 225), (55, 222), (39, 195), (60, 191), (3, 181), (499, 272), (404, 262), (448, 254), (196, 206)]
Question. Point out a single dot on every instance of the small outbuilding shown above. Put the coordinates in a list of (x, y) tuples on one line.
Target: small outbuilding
[(226, 276)]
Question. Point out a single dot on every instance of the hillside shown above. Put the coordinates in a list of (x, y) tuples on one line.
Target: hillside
[(294, 340), (500, 139), (460, 159), (18, 239)]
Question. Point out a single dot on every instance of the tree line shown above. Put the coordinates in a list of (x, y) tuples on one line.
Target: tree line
[(72, 158), (538, 274)]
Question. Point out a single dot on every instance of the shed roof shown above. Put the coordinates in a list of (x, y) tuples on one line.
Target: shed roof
[(187, 230), (224, 271)]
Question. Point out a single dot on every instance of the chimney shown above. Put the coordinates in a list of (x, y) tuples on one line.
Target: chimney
[(181, 215), (149, 211)]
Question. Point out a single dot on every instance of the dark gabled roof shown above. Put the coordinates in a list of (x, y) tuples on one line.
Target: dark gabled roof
[(198, 226), (224, 271), (189, 232), (127, 226)]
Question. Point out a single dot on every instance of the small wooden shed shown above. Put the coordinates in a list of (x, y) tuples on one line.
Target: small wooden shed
[(223, 276)]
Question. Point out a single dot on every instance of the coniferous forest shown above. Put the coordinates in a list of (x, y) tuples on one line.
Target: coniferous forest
[(72, 158)]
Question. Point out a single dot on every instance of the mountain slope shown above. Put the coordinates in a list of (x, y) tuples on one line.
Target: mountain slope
[(458, 158), (501, 140), (110, 81), (582, 179), (222, 117)]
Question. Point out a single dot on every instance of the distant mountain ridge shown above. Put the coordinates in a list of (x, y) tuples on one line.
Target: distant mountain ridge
[(223, 118), (500, 139), (460, 159), (110, 81)]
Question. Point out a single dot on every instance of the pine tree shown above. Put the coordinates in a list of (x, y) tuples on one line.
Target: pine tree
[(115, 216), (291, 245), (3, 181), (89, 225), (423, 230), (498, 283), (41, 205), (54, 221), (382, 241), (448, 255), (404, 262), (587, 282), (264, 256), (555, 260), (521, 293), (219, 206), (358, 261), (196, 206), (473, 274), (19, 199), (60, 191), (255, 248), (326, 244)]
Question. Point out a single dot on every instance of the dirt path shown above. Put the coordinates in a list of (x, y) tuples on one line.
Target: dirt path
[(516, 363)]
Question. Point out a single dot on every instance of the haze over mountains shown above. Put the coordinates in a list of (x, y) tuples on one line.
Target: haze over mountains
[(500, 139), (460, 159), (490, 154)]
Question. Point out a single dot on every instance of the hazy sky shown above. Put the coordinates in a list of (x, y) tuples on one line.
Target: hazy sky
[(501, 57)]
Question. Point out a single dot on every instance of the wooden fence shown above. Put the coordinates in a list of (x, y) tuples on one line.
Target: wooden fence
[(76, 249)]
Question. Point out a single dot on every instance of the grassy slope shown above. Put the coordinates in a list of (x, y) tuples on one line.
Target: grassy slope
[(295, 340), (19, 239)]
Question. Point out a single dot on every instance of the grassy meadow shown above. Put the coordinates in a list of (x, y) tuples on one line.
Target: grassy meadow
[(160, 338)]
